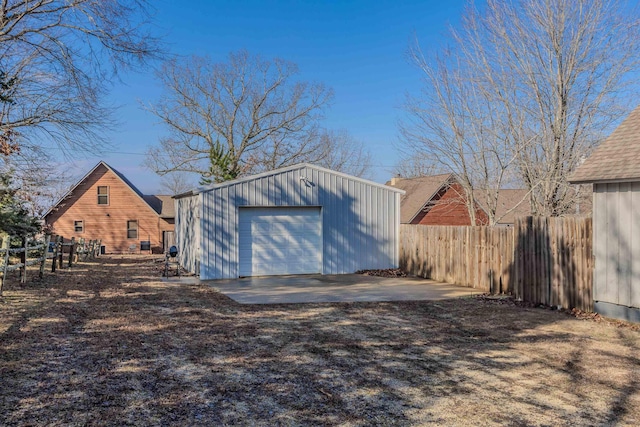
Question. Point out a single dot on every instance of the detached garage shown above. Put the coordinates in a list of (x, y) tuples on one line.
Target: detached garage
[(302, 219)]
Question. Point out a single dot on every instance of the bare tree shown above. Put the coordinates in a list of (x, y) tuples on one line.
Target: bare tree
[(336, 150), (453, 124), (343, 153), (233, 118), (545, 78), (417, 164), (39, 181), (57, 58), (177, 182)]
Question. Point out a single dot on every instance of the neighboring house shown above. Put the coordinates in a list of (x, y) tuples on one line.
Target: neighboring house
[(301, 219), (439, 200), (614, 171), (105, 205)]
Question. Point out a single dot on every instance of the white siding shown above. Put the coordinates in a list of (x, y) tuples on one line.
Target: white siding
[(616, 240), (276, 241), (360, 220), (187, 230)]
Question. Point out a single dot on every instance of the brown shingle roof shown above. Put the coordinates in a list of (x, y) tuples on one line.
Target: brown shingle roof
[(419, 191), (617, 158), (162, 204), (511, 203)]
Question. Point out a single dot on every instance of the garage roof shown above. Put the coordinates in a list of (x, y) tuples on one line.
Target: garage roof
[(617, 158), (279, 171)]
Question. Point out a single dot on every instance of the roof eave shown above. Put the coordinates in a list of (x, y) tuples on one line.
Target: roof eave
[(117, 174), (424, 205), (281, 170), (596, 180), (68, 193)]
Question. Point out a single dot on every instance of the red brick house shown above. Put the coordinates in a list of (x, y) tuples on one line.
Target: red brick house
[(105, 205), (439, 200)]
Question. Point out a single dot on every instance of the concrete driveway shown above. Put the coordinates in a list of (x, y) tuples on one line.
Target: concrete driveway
[(335, 288)]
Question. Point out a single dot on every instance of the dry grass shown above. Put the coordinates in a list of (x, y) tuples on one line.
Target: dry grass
[(109, 344)]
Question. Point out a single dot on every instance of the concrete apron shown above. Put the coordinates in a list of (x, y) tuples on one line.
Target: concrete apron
[(335, 288)]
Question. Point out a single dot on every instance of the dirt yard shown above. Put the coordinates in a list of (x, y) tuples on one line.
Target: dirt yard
[(108, 343)]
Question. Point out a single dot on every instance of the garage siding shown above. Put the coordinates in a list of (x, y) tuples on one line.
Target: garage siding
[(616, 241), (360, 220), (187, 229)]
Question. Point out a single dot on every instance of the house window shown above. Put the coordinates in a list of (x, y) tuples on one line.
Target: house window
[(132, 229), (103, 195), (78, 226)]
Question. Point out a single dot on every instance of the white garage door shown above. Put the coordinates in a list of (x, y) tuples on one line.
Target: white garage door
[(280, 241)]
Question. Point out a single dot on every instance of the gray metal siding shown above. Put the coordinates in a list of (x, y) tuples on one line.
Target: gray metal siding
[(616, 241), (187, 229), (360, 221)]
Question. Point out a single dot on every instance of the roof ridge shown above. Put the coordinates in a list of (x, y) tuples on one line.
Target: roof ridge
[(123, 178), (278, 171)]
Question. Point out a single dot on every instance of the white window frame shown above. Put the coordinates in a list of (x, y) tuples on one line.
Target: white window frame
[(136, 229), (103, 195)]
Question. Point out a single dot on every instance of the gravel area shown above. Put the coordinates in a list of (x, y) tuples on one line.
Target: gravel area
[(109, 343)]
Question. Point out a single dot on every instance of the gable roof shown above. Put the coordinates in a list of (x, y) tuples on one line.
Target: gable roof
[(419, 192), (155, 203), (617, 158), (279, 171), (163, 204)]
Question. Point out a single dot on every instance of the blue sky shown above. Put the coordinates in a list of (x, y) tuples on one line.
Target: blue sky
[(358, 48)]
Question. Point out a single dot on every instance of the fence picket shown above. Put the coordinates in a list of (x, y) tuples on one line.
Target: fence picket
[(540, 260)]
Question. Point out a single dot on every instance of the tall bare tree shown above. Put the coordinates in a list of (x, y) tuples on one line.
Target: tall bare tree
[(454, 126), (547, 80), (38, 180), (177, 182), (344, 153), (242, 116), (57, 58), (416, 164)]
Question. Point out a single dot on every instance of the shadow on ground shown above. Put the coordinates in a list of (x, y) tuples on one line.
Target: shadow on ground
[(110, 344)]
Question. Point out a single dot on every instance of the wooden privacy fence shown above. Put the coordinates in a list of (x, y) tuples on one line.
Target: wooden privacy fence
[(540, 260), (554, 261), (61, 251), (478, 257)]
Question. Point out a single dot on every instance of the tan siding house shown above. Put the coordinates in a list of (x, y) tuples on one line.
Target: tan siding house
[(106, 205)]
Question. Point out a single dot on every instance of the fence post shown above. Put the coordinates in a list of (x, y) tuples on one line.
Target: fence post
[(60, 251), (45, 251), (79, 250), (55, 254), (23, 260), (6, 243), (71, 251)]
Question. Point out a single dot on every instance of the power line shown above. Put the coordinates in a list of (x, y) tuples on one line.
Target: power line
[(125, 152), (381, 165)]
